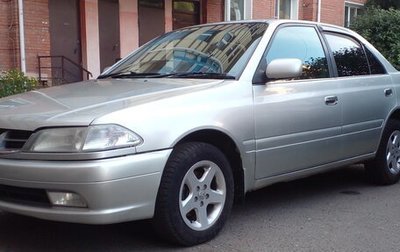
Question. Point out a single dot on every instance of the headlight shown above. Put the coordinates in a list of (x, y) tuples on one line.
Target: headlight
[(83, 139), (103, 137)]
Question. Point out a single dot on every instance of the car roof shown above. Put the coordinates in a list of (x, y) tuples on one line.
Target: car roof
[(277, 22)]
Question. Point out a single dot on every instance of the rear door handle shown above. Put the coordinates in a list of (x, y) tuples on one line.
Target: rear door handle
[(388, 92), (331, 100)]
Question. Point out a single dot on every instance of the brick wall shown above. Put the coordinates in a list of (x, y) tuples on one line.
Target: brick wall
[(332, 12), (215, 11), (308, 10), (8, 36), (263, 9), (37, 34)]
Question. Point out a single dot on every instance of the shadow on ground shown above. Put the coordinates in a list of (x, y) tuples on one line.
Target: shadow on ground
[(19, 233)]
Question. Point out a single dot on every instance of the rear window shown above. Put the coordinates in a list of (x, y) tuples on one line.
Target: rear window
[(374, 64)]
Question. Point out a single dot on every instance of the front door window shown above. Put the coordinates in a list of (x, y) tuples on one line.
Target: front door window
[(300, 43)]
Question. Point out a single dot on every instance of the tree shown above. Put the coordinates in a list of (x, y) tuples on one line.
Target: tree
[(384, 4), (382, 29)]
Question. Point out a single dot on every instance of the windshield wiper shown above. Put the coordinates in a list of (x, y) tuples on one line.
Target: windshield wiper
[(201, 75), (127, 75)]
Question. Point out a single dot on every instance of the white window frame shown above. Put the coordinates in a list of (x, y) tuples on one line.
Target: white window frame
[(294, 9), (247, 9), (354, 5)]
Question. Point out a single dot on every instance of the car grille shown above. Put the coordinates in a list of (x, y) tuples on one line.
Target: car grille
[(11, 140), (27, 196)]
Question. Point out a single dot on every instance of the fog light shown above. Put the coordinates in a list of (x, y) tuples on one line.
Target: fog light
[(67, 199)]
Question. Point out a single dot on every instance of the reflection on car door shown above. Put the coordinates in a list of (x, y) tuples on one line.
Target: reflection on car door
[(297, 122)]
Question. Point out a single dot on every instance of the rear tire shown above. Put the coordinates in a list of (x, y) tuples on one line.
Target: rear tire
[(195, 195), (385, 168)]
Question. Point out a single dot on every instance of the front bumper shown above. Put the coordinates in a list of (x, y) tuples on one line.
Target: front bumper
[(115, 189)]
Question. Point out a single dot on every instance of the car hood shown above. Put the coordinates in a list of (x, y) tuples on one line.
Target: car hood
[(80, 103)]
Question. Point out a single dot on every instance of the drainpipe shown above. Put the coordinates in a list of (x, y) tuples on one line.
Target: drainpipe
[(319, 11), (21, 35)]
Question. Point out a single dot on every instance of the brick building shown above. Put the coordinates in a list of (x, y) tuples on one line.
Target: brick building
[(95, 33)]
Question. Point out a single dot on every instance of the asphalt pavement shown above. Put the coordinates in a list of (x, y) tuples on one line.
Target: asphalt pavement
[(336, 211)]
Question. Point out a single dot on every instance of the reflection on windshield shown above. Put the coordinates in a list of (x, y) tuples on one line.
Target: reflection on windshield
[(179, 60), (222, 48)]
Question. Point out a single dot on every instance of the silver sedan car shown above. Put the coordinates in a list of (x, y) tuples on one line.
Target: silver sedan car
[(187, 124)]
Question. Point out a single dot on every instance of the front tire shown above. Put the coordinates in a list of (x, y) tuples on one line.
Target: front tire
[(385, 168), (195, 195)]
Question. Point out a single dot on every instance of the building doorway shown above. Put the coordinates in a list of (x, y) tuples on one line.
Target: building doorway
[(65, 40), (151, 19), (109, 33)]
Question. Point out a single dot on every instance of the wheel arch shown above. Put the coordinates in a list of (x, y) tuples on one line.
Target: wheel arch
[(394, 115), (229, 148)]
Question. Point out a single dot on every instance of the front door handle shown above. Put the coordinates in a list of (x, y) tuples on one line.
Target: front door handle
[(388, 92), (331, 100)]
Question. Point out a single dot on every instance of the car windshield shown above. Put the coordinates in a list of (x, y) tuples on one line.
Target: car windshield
[(211, 51)]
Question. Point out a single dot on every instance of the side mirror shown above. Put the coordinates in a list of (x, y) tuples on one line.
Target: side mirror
[(284, 69)]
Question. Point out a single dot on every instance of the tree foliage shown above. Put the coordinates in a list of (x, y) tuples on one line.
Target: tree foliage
[(382, 29), (384, 4)]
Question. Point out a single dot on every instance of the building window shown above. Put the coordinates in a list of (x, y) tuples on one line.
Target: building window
[(287, 9), (185, 13), (152, 3), (351, 11), (237, 9)]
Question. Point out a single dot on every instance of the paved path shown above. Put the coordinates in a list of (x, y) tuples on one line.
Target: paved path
[(337, 211)]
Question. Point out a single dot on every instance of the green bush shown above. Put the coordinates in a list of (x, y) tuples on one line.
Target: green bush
[(14, 82), (382, 29)]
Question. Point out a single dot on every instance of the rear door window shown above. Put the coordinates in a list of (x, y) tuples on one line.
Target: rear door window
[(374, 64), (349, 55)]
